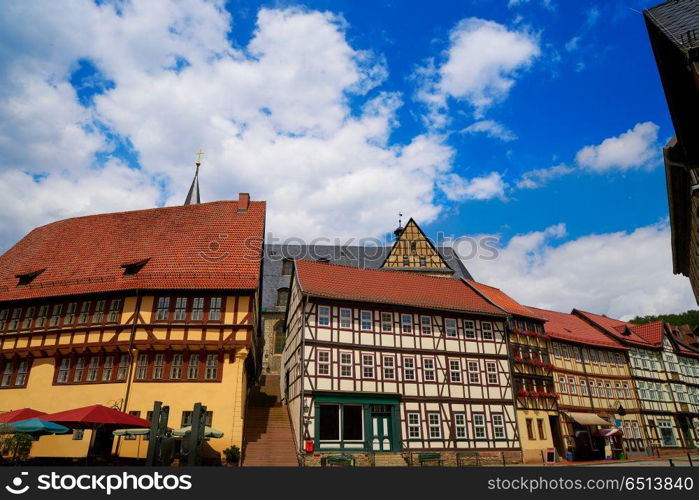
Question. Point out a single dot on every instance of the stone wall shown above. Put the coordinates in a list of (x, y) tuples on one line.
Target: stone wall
[(270, 362), (449, 459)]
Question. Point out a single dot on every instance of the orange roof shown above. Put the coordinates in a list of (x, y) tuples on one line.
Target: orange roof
[(188, 247), (502, 300), (650, 332), (571, 328), (390, 287), (615, 327)]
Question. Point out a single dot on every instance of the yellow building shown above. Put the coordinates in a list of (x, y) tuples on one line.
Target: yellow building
[(128, 308)]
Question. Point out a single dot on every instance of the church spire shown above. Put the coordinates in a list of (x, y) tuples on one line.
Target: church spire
[(193, 195)]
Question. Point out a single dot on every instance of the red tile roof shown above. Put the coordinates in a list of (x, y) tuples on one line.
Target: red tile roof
[(502, 300), (189, 247), (650, 332), (615, 327), (563, 326), (390, 287)]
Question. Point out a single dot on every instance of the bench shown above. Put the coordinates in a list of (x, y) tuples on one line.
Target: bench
[(340, 461), (468, 458), (429, 459)]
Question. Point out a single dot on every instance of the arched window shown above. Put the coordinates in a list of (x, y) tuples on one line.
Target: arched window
[(279, 337), (282, 297)]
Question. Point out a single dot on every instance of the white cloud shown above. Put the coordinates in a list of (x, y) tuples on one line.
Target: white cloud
[(492, 129), (478, 188), (621, 274), (547, 4), (635, 148), (539, 178), (481, 65), (273, 117)]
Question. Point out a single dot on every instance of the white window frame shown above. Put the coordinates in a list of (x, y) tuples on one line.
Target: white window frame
[(389, 369), (409, 373), (434, 425), (460, 426), (479, 428), (498, 421), (406, 324), (431, 370), (324, 315), (345, 318), (487, 332), (386, 324), (366, 324), (455, 371), (414, 426), (492, 375), (469, 329), (474, 371), (323, 363), (450, 330), (426, 326), (368, 363), (346, 364)]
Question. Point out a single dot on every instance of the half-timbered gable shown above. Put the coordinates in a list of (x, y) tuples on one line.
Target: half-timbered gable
[(130, 308), (412, 362), (414, 251)]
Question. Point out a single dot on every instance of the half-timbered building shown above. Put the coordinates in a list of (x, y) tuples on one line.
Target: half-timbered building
[(600, 414), (393, 361), (127, 308), (532, 371)]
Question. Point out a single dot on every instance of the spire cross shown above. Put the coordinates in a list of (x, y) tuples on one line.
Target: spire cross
[(199, 155)]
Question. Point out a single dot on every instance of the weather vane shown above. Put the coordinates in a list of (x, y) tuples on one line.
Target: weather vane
[(199, 155)]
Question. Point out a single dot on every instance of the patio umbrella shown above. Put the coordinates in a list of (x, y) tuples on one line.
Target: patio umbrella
[(140, 432), (17, 415), (209, 432), (95, 416), (38, 427)]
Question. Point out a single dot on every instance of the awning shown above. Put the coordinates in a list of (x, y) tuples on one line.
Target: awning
[(95, 416), (608, 432), (586, 418)]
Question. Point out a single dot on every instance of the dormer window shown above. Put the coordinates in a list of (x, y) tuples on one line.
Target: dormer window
[(26, 278), (132, 268)]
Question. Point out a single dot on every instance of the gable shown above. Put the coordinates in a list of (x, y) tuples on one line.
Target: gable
[(413, 250)]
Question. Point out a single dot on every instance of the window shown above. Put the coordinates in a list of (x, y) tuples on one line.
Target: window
[(530, 429), (279, 337), (92, 368), (142, 366), (352, 423), (619, 392), (450, 328), (610, 392), (187, 418), (563, 384), (576, 354), (287, 267), (474, 375), (593, 356), (84, 312), (180, 309), (666, 432), (41, 318), (406, 322), (123, 367), (593, 389), (176, 366), (78, 434), (460, 426), (573, 385), (329, 423), (423, 261), (163, 311), (469, 329), (367, 324), (193, 367), (323, 316), (600, 386), (487, 328), (583, 387), (389, 368), (425, 325), (79, 368), (197, 308), (282, 297), (386, 322), (602, 358), (541, 427), (413, 425), (479, 426), (409, 368), (107, 368), (557, 349), (211, 372), (323, 362), (14, 319), (56, 315), (346, 370), (98, 315), (215, 309), (406, 261), (3, 318), (22, 369), (565, 352), (491, 369), (434, 424), (455, 370), (367, 366), (28, 318), (114, 308), (585, 355), (7, 374), (498, 426), (158, 366), (346, 318), (428, 373), (63, 370)]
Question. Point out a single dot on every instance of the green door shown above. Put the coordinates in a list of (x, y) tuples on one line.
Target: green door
[(381, 427)]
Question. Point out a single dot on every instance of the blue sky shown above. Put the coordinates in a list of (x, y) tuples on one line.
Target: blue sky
[(538, 121)]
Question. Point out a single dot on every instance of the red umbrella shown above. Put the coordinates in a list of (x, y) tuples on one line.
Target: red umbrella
[(91, 417), (18, 415)]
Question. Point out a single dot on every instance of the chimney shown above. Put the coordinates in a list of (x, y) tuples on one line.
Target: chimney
[(243, 202)]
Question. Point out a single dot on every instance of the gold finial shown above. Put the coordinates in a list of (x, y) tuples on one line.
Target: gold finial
[(199, 155)]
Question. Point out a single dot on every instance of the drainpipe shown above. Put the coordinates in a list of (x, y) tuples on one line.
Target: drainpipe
[(129, 377), (302, 422)]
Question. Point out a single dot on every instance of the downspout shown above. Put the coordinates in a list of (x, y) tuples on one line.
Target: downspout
[(302, 422), (129, 377)]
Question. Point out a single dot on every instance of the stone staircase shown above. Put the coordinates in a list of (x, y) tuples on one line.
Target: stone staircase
[(389, 460), (268, 439)]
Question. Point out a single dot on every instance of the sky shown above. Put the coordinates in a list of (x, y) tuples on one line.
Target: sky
[(538, 124)]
